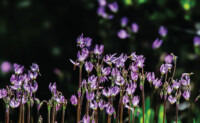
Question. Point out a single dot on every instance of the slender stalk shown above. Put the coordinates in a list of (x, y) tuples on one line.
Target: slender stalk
[(129, 116), (23, 113), (118, 110), (49, 113), (7, 114), (133, 120), (109, 119), (28, 112), (121, 109), (79, 97), (20, 113), (63, 114), (86, 111), (143, 106), (53, 113), (177, 105), (164, 110)]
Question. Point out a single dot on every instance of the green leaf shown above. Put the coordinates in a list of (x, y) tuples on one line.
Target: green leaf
[(128, 2), (194, 120), (160, 115)]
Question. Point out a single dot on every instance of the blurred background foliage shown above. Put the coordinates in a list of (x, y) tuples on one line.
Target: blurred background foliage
[(45, 32)]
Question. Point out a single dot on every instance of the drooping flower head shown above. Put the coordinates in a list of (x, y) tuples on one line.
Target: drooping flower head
[(109, 59), (186, 95), (176, 84), (125, 99), (102, 2), (157, 83), (74, 100), (171, 99), (150, 77), (135, 101), (114, 91), (82, 55), (168, 59), (88, 66), (83, 41), (18, 69), (3, 93), (196, 41), (14, 103), (124, 21), (157, 43), (93, 105), (90, 96), (122, 34), (162, 31), (110, 110), (35, 68), (163, 69), (52, 88), (134, 76), (113, 7), (98, 50), (134, 27), (131, 88)]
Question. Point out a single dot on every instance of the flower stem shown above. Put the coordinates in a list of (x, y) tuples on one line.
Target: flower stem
[(28, 112), (63, 114), (121, 109), (22, 113), (53, 113), (7, 114), (133, 117), (49, 113), (86, 111), (118, 111), (109, 120), (164, 110), (177, 105), (143, 106), (79, 97)]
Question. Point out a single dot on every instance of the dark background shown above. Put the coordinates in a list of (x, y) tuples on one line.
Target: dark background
[(45, 32)]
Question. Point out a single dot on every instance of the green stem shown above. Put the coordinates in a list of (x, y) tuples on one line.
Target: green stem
[(143, 100), (28, 111), (133, 117), (7, 114), (23, 113), (49, 114), (79, 98), (63, 114), (177, 113)]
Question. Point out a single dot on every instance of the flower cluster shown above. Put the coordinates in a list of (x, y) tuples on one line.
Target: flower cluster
[(111, 77), (103, 5), (126, 31)]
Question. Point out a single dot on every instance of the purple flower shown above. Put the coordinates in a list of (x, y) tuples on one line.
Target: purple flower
[(134, 76), (32, 76), (114, 91), (186, 95), (82, 55), (157, 83), (185, 82), (119, 80), (110, 110), (90, 96), (196, 41), (163, 69), (82, 42), (14, 103), (98, 50), (135, 101), (140, 61), (3, 93), (162, 31), (105, 71), (133, 56), (85, 119), (52, 88), (171, 99), (109, 59), (93, 105), (113, 7), (6, 66), (35, 68), (88, 66), (122, 34), (134, 27), (18, 69), (157, 43), (169, 90), (34, 87), (102, 104), (133, 67), (150, 77), (102, 2), (176, 85), (92, 79), (131, 88), (168, 59), (124, 21), (125, 99), (106, 93), (74, 100)]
